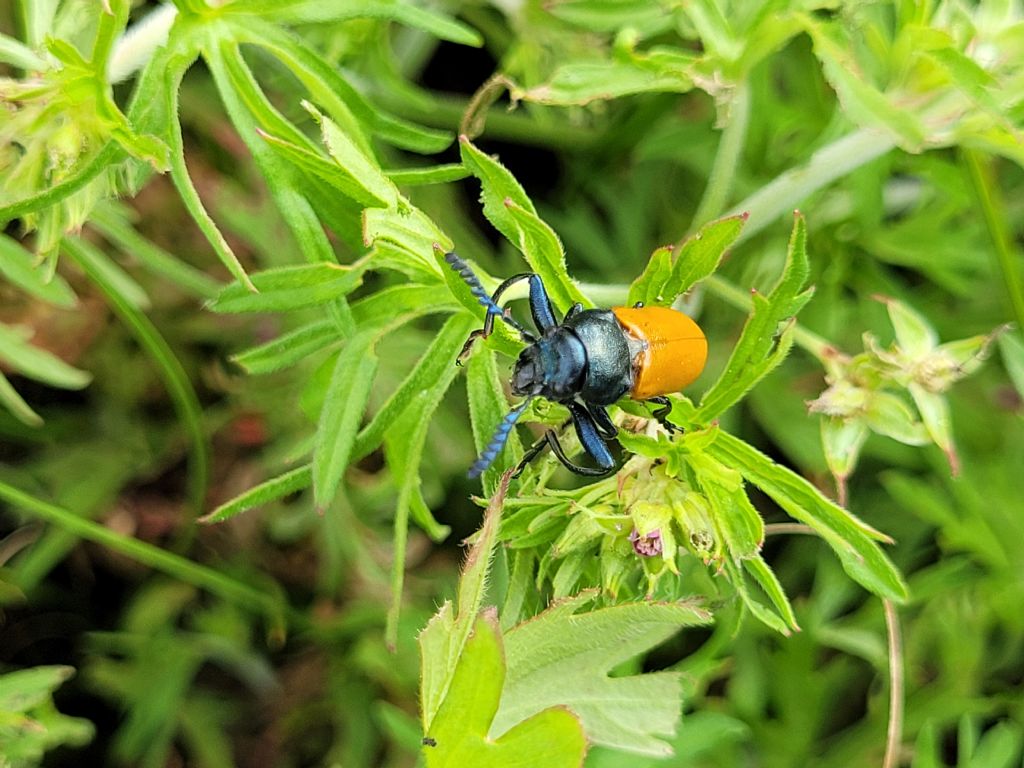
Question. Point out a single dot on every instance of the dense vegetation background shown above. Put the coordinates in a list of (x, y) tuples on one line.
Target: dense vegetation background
[(222, 297)]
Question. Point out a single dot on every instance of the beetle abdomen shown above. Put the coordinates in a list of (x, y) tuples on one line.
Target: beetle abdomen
[(673, 349)]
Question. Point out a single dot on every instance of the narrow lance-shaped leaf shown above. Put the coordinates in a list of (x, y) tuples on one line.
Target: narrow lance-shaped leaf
[(13, 402), (762, 346), (487, 407), (16, 266), (290, 288), (342, 412), (437, 364), (275, 488), (508, 208), (853, 540), (37, 363), (288, 349)]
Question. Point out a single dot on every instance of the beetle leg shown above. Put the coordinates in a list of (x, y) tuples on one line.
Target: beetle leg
[(489, 302), (662, 413), (604, 422), (591, 438), (638, 305), (575, 309)]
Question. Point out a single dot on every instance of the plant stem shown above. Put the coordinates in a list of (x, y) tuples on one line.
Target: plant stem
[(723, 171), (990, 200), (894, 733), (145, 553), (826, 165)]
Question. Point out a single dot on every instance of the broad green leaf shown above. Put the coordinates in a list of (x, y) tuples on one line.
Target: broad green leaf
[(36, 363), (762, 346), (508, 208), (444, 638), (487, 407), (853, 540), (407, 234), (341, 415), (16, 266), (563, 658), (284, 289), (316, 12), (436, 365), (458, 735), (275, 488), (288, 349)]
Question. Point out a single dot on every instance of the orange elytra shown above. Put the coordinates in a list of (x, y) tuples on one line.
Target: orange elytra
[(672, 349)]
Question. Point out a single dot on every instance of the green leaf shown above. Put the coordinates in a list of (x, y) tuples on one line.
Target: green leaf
[(13, 402), (852, 539), (562, 657), (487, 407), (36, 363), (16, 265), (17, 54), (289, 348), (648, 286), (285, 289), (275, 488), (458, 735), (1012, 349), (333, 173), (508, 208), (434, 174), (112, 221), (700, 255), (179, 170), (316, 12), (342, 413), (29, 722), (769, 583), (862, 102), (762, 346), (178, 384), (362, 168), (444, 638), (109, 272), (665, 70), (436, 365), (334, 93)]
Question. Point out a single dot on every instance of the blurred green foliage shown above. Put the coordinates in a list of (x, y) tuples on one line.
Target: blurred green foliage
[(249, 338)]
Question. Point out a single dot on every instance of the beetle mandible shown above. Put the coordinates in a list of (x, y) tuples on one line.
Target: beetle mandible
[(586, 362)]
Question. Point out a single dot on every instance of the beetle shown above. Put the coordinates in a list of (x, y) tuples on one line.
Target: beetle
[(588, 361)]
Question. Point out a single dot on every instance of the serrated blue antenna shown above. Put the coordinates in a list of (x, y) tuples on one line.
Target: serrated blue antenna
[(475, 286), (501, 434), (464, 271)]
